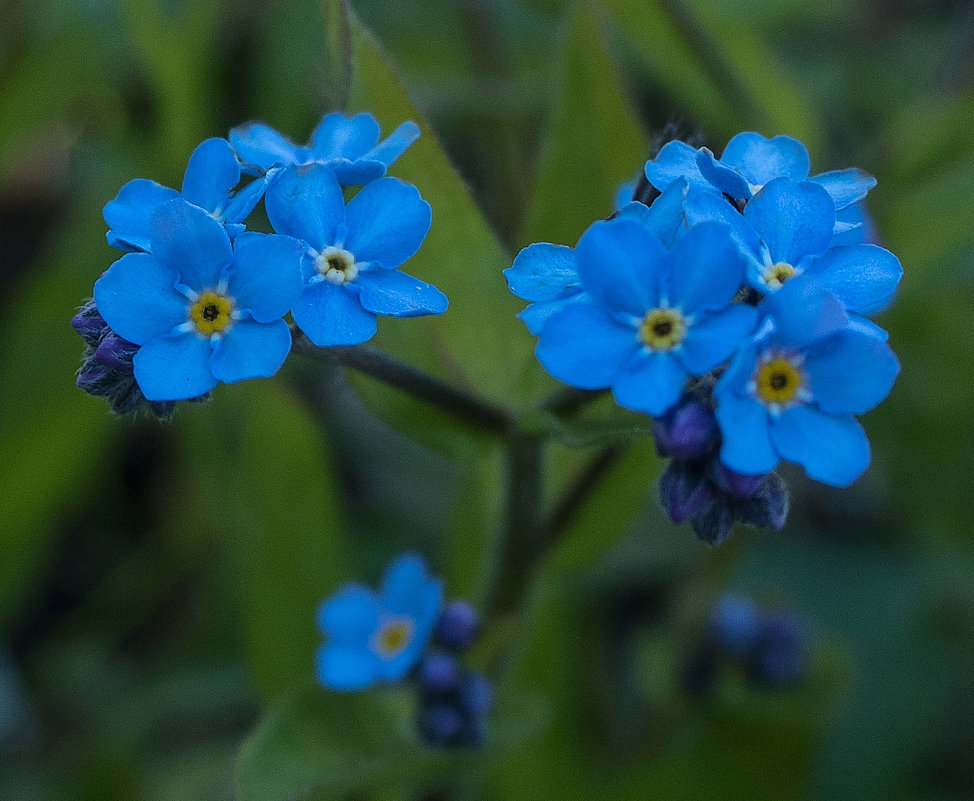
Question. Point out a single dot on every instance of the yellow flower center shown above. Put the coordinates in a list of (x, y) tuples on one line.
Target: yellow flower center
[(663, 329), (778, 381), (337, 266), (392, 637), (212, 313), (776, 274)]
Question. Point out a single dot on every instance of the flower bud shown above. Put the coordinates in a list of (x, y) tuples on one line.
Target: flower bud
[(684, 491), (686, 432), (457, 626)]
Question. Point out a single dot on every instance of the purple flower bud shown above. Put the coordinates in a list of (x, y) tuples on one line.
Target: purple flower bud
[(714, 522), (684, 491), (686, 432), (779, 655), (89, 323), (439, 673), (440, 723), (737, 484), (769, 507), (93, 377), (476, 694), (734, 624), (457, 626), (116, 353)]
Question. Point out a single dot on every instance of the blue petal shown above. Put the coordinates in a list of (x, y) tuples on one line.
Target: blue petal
[(700, 207), (351, 615), (244, 201), (265, 277), (251, 350), (724, 178), (746, 443), (395, 144), (306, 203), (863, 276), (537, 314), (714, 337), (346, 668), (190, 240), (804, 311), (174, 367), (762, 160), (853, 226), (211, 174), (850, 372), (407, 586), (794, 220), (845, 186), (358, 172), (137, 297), (261, 146), (332, 315), (623, 195), (340, 136), (707, 269), (622, 265), (387, 222), (650, 382), (832, 449), (128, 214), (543, 272), (583, 345), (395, 294), (675, 160), (665, 217)]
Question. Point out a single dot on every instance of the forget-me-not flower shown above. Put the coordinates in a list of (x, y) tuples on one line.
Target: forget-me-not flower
[(792, 391), (655, 317), (202, 309), (210, 182), (348, 144), (352, 252), (376, 637)]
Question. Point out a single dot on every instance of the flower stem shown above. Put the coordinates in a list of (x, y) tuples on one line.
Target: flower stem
[(388, 369)]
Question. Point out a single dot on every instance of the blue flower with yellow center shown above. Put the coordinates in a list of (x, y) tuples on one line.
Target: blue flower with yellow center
[(348, 144), (352, 252), (203, 309), (655, 316), (792, 391), (210, 182), (378, 637)]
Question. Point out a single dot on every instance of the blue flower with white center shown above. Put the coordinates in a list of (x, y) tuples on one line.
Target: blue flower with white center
[(547, 274), (210, 182), (378, 637), (792, 391), (352, 252), (348, 144), (202, 309), (655, 316)]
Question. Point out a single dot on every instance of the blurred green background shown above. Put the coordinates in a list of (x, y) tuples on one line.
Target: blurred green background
[(157, 581)]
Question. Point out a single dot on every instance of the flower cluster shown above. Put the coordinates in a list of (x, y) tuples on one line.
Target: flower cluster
[(405, 631), (732, 309), (198, 300), (770, 645)]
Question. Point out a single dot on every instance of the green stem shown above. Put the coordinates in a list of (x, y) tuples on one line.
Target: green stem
[(379, 365), (575, 496)]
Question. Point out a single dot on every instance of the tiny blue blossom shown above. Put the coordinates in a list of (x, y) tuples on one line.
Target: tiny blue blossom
[(203, 309), (655, 317), (378, 637), (348, 144), (792, 391), (210, 182), (352, 252)]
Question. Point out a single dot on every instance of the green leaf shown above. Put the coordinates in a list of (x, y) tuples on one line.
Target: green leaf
[(264, 481), (593, 140)]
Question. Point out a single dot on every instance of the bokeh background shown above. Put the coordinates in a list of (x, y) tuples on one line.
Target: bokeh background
[(157, 581)]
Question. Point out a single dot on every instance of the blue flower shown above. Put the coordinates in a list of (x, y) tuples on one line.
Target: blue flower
[(202, 309), (792, 390), (209, 182), (351, 253), (655, 316), (378, 637), (349, 145)]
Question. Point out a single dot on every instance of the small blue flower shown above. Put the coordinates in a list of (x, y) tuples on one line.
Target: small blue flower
[(352, 252), (792, 390), (378, 637), (655, 317), (349, 145), (210, 182), (202, 309)]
